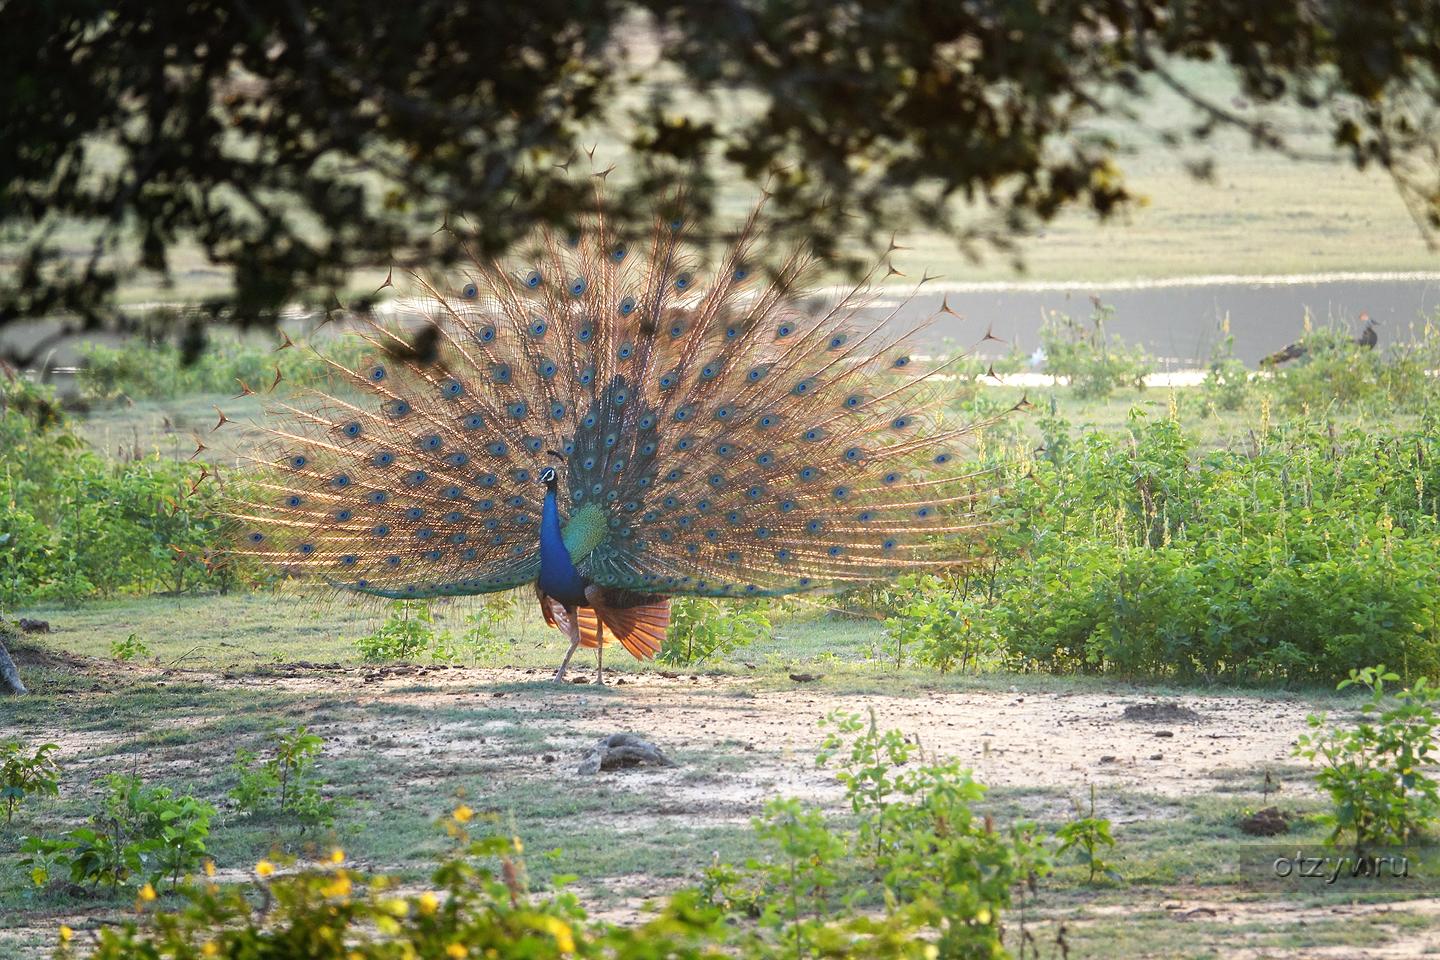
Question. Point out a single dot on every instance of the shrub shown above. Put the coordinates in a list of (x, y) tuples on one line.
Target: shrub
[(147, 369), (1095, 362), (1227, 381), (408, 631), (1087, 835), (1374, 771), (1335, 371), (283, 779), (24, 775), (481, 641), (131, 648), (937, 624), (141, 834), (1289, 562), (701, 628), (75, 525)]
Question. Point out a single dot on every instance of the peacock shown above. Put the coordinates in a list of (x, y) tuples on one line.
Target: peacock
[(616, 424)]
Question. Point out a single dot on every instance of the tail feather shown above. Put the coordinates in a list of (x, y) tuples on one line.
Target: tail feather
[(737, 443), (639, 629)]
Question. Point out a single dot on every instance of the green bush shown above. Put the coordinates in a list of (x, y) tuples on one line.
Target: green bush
[(1336, 372), (936, 625), (156, 369), (482, 640), (408, 631), (1095, 362), (1293, 562), (282, 780), (74, 524), (701, 628), (1374, 772), (1227, 381), (141, 835), (1087, 835)]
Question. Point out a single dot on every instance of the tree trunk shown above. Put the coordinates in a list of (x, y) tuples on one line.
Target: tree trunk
[(9, 675)]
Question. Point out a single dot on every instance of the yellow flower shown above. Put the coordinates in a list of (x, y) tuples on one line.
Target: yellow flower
[(147, 893), (209, 868), (264, 869), (560, 930), (428, 903), (519, 844), (66, 934), (395, 906), (463, 813), (211, 949), (339, 887), (337, 855), (456, 951)]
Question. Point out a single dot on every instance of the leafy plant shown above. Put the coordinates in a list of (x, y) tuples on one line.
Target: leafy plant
[(936, 623), (408, 631), (1227, 381), (141, 834), (482, 640), (1094, 361), (77, 525), (149, 369), (24, 774), (283, 779), (1373, 772), (1290, 560), (701, 628), (1087, 835), (131, 648)]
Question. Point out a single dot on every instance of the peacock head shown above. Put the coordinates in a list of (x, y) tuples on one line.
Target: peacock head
[(548, 477)]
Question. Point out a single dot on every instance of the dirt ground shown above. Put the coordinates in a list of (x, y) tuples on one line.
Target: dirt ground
[(741, 740)]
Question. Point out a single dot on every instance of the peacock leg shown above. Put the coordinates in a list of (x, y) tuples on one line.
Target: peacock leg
[(599, 650), (573, 616)]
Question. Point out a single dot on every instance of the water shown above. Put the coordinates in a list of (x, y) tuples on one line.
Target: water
[(1176, 320), (1179, 320)]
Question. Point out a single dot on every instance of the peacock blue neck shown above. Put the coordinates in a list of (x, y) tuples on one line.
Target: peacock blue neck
[(558, 576)]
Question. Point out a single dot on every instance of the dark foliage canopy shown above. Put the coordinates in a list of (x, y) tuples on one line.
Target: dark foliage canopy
[(294, 141)]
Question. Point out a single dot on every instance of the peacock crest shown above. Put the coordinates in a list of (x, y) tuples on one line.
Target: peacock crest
[(701, 432)]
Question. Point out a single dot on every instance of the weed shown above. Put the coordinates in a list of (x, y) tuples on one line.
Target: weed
[(140, 834), (408, 631), (131, 648), (1087, 835), (24, 775), (1373, 772), (701, 628), (283, 779)]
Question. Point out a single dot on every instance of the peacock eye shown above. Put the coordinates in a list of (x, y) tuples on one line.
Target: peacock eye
[(533, 279), (469, 291), (683, 281), (627, 306), (578, 286)]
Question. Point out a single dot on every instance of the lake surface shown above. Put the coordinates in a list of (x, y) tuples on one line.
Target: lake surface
[(1179, 320)]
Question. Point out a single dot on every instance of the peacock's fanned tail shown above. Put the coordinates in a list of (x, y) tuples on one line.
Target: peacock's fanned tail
[(716, 438)]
